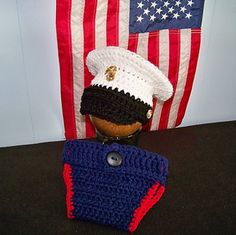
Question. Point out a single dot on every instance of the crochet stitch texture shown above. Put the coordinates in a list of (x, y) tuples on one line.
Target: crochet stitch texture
[(114, 106), (112, 195), (135, 75)]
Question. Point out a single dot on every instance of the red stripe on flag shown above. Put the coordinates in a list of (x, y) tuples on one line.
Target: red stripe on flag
[(63, 14), (174, 60), (113, 23), (153, 57), (195, 46), (89, 45), (133, 42), (153, 48)]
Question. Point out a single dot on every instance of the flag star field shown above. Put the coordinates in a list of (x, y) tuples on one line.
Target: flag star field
[(151, 15)]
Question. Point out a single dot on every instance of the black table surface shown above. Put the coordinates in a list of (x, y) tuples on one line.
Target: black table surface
[(200, 197)]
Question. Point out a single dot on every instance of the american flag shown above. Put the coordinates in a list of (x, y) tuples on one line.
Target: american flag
[(166, 32)]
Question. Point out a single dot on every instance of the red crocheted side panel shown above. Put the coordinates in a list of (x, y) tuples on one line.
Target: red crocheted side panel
[(69, 190), (153, 195)]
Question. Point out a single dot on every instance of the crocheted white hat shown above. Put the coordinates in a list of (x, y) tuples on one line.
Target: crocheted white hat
[(122, 71), (134, 74)]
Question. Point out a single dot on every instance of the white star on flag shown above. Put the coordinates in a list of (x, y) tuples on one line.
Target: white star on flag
[(176, 15), (152, 17), (188, 15), (140, 5), (166, 4), (177, 3), (153, 4), (139, 18), (164, 16), (146, 11), (171, 9), (183, 9), (159, 10), (190, 3)]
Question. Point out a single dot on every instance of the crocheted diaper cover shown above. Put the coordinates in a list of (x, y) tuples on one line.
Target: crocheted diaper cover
[(112, 184)]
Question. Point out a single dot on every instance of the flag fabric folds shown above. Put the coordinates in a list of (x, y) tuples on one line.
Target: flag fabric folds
[(166, 32)]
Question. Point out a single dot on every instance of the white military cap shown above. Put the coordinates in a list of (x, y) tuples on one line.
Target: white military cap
[(125, 75)]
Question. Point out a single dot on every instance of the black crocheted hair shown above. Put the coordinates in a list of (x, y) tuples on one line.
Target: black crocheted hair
[(113, 105)]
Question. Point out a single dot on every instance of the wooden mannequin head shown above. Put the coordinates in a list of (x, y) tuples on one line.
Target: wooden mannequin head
[(114, 130)]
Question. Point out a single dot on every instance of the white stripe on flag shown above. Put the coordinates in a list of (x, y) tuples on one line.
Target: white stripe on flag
[(185, 49), (101, 24), (77, 10), (124, 23), (164, 67), (142, 47)]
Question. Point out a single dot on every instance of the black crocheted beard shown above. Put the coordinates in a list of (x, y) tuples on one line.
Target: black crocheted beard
[(113, 105)]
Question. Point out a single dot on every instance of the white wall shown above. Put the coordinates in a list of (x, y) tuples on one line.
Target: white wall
[(213, 98), (30, 108)]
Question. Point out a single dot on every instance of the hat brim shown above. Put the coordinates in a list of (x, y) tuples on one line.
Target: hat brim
[(114, 106)]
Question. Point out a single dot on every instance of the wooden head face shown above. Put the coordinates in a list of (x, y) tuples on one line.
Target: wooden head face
[(111, 129)]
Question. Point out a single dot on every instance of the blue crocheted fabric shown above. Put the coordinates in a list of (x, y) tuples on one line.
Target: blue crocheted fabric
[(117, 195)]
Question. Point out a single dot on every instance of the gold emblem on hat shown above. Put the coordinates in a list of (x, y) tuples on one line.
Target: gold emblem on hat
[(110, 73), (149, 114)]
